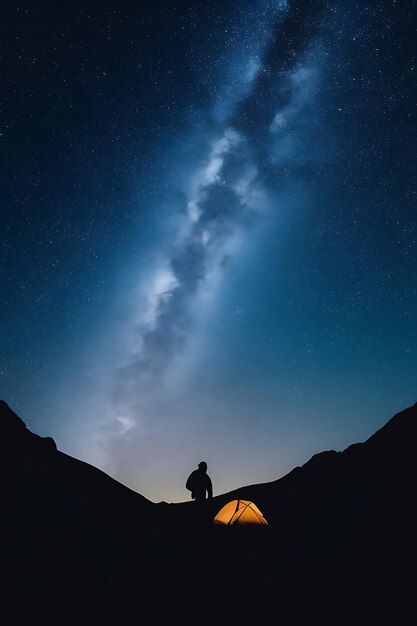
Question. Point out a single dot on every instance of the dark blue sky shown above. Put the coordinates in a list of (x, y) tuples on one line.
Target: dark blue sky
[(208, 231)]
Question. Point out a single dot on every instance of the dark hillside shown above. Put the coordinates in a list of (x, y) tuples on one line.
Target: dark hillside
[(80, 548)]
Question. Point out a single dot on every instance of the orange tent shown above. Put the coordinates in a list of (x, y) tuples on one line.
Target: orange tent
[(239, 512)]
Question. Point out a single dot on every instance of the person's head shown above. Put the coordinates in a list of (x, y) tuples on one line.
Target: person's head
[(202, 466)]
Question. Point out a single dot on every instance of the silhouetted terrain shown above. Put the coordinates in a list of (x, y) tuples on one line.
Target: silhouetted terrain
[(77, 547)]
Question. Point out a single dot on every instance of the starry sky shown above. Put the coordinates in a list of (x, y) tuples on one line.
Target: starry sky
[(208, 219)]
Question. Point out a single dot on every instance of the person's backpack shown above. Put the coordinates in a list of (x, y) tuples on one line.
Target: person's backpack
[(190, 484)]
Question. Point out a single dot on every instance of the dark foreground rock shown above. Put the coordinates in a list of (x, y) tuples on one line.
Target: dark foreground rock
[(77, 547)]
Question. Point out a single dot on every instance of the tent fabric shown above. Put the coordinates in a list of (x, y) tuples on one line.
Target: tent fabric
[(239, 512)]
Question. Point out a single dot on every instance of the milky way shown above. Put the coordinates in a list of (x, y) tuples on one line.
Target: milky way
[(212, 248)]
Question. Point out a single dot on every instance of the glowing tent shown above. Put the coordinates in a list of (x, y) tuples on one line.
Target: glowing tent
[(239, 512)]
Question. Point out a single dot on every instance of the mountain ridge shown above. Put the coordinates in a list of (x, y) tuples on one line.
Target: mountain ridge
[(399, 427), (78, 547)]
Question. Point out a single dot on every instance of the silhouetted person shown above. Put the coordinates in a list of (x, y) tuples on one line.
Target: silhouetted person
[(199, 482)]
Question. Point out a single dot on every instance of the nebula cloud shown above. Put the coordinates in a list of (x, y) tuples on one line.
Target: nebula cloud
[(223, 199)]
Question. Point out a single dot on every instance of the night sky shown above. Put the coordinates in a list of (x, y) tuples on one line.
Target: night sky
[(208, 231)]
